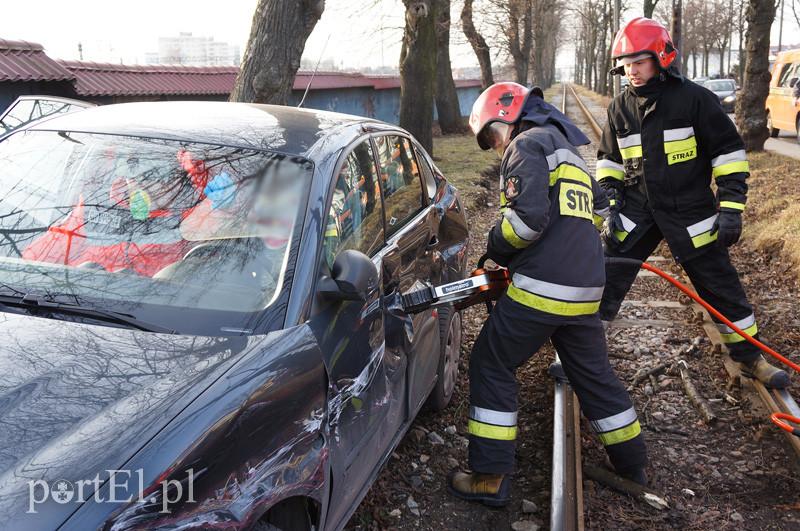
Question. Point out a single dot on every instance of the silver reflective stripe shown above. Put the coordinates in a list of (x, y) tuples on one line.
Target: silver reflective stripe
[(736, 156), (563, 155), (629, 141), (614, 422), (522, 230), (701, 226), (627, 223), (603, 212), (683, 133), (557, 291), (743, 324), (610, 164), (490, 416)]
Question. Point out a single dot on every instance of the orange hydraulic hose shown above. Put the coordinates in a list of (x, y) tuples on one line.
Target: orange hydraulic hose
[(777, 418)]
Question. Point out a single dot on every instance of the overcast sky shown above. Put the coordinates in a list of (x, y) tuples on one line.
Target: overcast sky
[(352, 33)]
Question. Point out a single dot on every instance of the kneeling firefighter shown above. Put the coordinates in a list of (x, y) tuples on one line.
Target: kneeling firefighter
[(547, 237), (666, 137)]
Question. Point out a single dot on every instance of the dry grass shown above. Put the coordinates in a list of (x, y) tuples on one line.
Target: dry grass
[(461, 161), (772, 218)]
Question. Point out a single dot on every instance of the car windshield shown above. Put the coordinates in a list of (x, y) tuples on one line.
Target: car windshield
[(719, 86), (140, 221)]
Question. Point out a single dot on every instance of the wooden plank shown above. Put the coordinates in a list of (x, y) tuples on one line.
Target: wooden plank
[(578, 464), (653, 304), (656, 323)]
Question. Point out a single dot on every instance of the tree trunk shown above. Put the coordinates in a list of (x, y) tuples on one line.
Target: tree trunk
[(277, 39), (751, 102), (649, 7), (446, 95), (478, 44), (418, 70)]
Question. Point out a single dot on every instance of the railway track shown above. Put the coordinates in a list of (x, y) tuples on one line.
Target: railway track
[(567, 511)]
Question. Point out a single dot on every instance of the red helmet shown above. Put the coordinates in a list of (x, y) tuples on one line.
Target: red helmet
[(502, 102), (644, 36)]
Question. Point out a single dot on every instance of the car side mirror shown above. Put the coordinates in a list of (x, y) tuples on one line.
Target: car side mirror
[(793, 82), (353, 277)]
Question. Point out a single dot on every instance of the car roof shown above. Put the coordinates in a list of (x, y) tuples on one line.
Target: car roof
[(269, 127)]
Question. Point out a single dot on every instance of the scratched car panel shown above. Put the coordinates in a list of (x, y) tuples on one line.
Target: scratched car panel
[(165, 289)]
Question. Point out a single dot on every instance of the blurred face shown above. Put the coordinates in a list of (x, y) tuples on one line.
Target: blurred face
[(640, 72), (497, 135)]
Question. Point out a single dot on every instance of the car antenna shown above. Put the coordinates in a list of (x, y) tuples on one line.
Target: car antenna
[(315, 71)]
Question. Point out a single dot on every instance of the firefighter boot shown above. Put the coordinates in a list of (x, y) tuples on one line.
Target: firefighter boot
[(765, 373), (637, 475), (489, 489)]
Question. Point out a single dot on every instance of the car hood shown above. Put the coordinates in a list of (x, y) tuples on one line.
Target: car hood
[(723, 93), (77, 400)]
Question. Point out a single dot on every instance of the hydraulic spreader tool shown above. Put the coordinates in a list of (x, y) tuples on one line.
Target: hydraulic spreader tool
[(483, 285), (487, 285)]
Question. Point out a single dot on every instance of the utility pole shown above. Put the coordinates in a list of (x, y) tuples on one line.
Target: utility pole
[(677, 14), (80, 51), (780, 30), (615, 25)]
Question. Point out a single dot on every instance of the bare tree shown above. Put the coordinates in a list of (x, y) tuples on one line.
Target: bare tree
[(418, 70), (649, 7), (478, 44), (447, 104), (277, 38), (751, 104)]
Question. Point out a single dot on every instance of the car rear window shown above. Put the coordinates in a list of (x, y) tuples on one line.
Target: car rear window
[(139, 221)]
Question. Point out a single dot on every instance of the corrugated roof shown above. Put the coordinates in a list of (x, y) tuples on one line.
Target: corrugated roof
[(108, 79), (26, 61)]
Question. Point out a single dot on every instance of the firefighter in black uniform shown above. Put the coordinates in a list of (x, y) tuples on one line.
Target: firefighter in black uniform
[(665, 138), (548, 239)]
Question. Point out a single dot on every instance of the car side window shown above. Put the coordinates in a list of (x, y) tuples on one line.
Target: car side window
[(789, 71), (428, 180), (400, 179), (355, 219)]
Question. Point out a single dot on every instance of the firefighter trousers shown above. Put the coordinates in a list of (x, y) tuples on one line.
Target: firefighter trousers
[(512, 334), (712, 275)]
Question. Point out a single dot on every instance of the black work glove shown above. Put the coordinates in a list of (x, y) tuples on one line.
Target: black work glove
[(729, 227), (616, 200)]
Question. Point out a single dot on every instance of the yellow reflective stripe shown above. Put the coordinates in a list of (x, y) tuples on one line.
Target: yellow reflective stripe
[(680, 145), (736, 338), (331, 233), (490, 431), (603, 173), (704, 239), (503, 200), (731, 204), (740, 166), (511, 236), (555, 307), (621, 435), (632, 152), (621, 235), (565, 171), (598, 221)]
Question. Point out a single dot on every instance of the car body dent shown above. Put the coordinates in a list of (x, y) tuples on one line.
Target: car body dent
[(255, 437)]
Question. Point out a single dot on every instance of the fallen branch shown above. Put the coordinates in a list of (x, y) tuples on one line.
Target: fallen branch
[(639, 492), (645, 373), (691, 391)]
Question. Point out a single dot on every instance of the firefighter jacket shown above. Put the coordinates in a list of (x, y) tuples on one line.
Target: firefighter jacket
[(661, 146), (547, 235)]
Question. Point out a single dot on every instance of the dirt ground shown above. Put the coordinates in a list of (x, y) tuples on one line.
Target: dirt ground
[(737, 474)]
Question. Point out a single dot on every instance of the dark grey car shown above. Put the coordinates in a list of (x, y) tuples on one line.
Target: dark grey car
[(725, 90), (200, 317)]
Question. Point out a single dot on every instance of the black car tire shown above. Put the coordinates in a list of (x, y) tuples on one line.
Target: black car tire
[(772, 131), (450, 332)]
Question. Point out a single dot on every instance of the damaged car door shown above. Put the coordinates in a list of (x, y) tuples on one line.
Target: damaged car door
[(410, 262), (366, 388)]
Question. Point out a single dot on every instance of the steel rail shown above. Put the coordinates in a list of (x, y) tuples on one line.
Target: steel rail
[(566, 492)]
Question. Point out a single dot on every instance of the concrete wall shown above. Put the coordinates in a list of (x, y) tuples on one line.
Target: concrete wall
[(383, 105)]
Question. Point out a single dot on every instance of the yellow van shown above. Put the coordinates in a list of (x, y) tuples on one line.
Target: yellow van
[(782, 112)]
